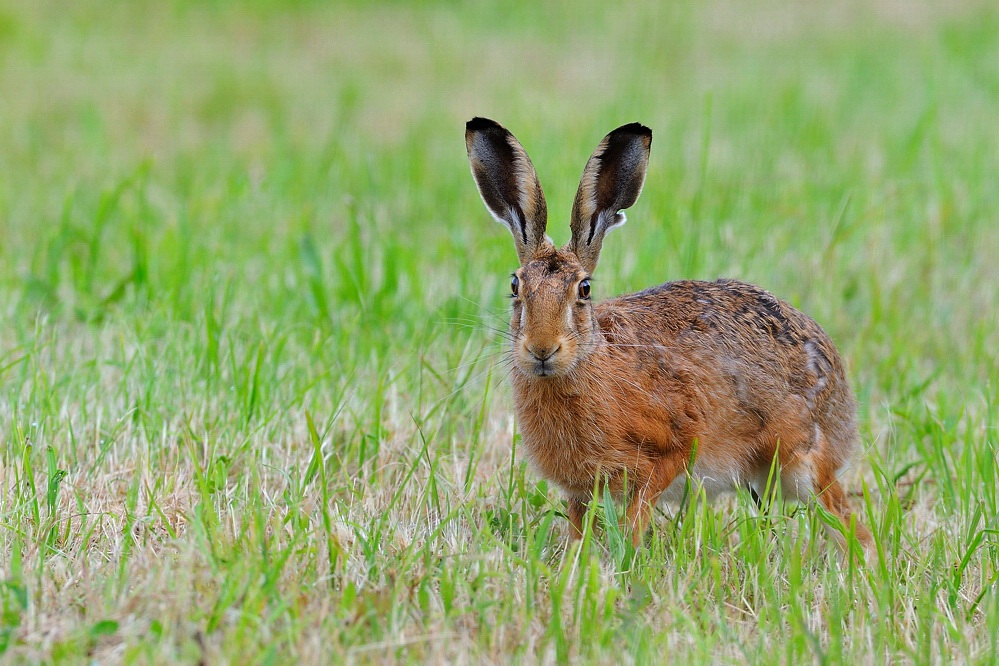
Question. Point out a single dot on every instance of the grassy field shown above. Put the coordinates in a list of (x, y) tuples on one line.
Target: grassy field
[(252, 403)]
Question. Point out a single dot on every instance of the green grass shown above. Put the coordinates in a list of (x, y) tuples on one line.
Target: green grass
[(252, 408)]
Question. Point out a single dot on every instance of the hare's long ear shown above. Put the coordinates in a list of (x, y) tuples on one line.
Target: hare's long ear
[(508, 184), (612, 181)]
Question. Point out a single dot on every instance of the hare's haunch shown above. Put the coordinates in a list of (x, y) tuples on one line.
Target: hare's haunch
[(619, 393)]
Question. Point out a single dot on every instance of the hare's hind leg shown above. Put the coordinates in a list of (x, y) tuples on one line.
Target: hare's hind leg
[(833, 498), (814, 475)]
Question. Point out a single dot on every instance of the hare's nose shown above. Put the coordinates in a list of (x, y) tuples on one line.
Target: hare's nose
[(543, 352)]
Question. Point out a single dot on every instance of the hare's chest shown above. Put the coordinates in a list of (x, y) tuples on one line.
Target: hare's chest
[(571, 453), (576, 473)]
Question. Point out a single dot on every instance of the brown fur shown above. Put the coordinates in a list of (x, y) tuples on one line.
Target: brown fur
[(616, 394)]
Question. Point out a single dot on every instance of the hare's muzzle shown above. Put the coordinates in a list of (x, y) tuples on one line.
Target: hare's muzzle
[(543, 358)]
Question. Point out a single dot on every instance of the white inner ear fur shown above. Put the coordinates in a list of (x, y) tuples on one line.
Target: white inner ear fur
[(616, 220), (513, 223), (499, 219)]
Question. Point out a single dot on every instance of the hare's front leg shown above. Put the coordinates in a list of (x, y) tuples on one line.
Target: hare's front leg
[(644, 496), (576, 510)]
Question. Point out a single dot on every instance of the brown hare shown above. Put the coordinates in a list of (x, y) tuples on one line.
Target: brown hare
[(618, 394)]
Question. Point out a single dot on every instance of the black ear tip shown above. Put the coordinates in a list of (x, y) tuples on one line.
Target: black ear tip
[(478, 124), (634, 129)]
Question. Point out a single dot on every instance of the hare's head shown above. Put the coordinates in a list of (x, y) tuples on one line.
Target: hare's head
[(553, 327)]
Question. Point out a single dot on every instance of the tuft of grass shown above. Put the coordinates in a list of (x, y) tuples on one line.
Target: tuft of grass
[(252, 395)]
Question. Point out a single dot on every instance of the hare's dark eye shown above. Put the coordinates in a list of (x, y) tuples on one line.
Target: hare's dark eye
[(584, 289), (514, 285)]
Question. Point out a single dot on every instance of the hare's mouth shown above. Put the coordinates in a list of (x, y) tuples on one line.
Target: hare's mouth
[(547, 368), (544, 368), (545, 362)]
